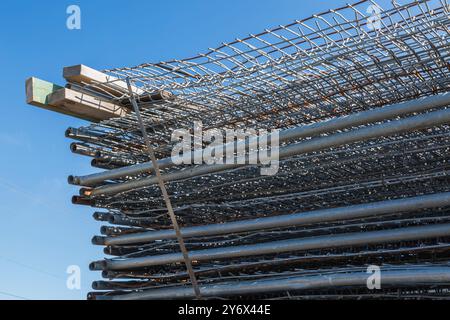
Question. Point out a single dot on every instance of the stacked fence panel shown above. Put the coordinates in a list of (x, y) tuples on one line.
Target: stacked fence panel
[(361, 105)]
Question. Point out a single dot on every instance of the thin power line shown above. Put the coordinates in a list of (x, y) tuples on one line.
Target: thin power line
[(31, 268), (13, 295), (35, 269), (16, 189)]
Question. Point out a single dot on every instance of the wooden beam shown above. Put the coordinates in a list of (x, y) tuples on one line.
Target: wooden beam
[(47, 95), (86, 106), (37, 92), (82, 74)]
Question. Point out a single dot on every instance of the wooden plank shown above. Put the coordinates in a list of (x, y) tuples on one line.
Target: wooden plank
[(38, 90), (47, 95), (86, 106), (82, 74), (37, 93)]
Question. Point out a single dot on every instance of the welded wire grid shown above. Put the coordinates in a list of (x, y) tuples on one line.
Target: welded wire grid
[(329, 65), (324, 66)]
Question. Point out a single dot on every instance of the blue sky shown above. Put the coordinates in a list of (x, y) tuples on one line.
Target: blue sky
[(41, 232)]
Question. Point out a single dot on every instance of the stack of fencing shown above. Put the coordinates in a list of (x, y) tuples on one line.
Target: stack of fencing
[(359, 99)]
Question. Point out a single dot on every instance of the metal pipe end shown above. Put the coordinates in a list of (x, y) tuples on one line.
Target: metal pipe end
[(86, 192), (102, 285), (97, 285), (101, 216), (73, 180), (98, 240), (94, 163), (98, 296), (75, 199), (107, 275), (69, 132), (104, 230), (91, 296), (73, 147), (97, 265), (81, 201)]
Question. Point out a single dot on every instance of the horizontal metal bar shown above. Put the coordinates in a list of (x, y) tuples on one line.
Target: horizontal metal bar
[(82, 149), (295, 219), (101, 216), (117, 285), (379, 130), (311, 243), (121, 220), (109, 231), (356, 119), (82, 135), (424, 276)]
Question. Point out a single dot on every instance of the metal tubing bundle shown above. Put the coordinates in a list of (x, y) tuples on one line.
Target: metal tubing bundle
[(360, 103), (409, 277)]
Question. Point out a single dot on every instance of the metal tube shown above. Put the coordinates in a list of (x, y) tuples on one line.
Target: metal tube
[(286, 135), (82, 149), (82, 135), (116, 219), (105, 163), (295, 219), (425, 276), (311, 243), (110, 231), (116, 285), (101, 216), (82, 201), (384, 129)]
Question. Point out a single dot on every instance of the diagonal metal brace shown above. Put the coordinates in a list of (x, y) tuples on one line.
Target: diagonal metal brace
[(165, 194)]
